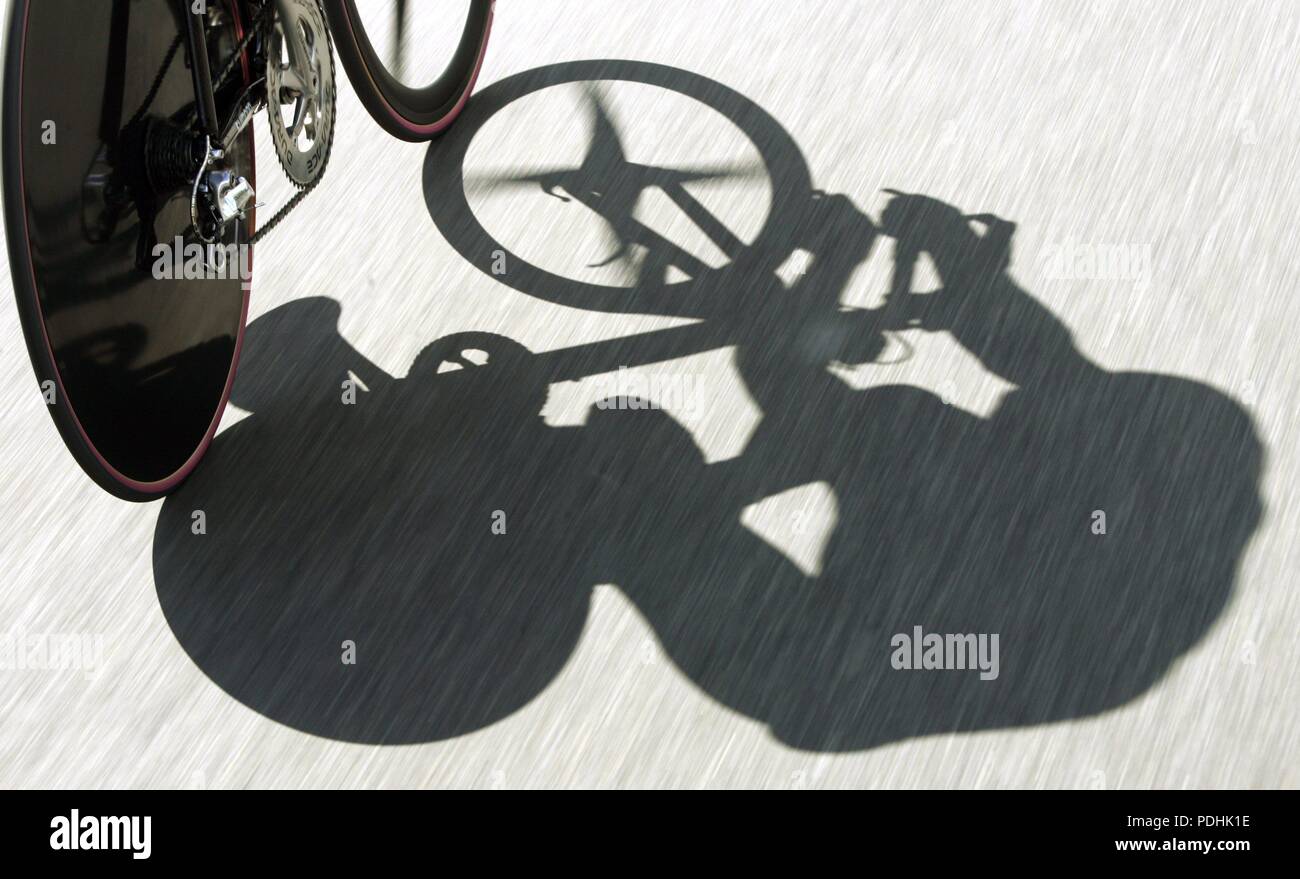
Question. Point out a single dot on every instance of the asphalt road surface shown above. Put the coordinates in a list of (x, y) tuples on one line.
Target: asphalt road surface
[(483, 573)]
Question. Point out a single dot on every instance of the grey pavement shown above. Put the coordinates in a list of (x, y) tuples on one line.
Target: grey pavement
[(705, 594)]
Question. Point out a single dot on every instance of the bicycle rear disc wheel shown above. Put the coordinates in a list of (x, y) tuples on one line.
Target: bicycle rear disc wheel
[(391, 52), (134, 349)]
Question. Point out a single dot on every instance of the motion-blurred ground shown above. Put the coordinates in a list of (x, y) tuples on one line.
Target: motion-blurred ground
[(1164, 133)]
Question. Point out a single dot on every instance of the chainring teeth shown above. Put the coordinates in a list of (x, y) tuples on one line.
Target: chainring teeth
[(303, 167)]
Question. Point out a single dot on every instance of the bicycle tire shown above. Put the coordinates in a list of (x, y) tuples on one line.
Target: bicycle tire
[(411, 114), (136, 367)]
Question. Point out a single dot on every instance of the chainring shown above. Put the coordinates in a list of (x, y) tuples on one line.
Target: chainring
[(301, 114)]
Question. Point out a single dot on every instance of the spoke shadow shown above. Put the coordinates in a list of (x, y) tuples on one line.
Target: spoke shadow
[(373, 523)]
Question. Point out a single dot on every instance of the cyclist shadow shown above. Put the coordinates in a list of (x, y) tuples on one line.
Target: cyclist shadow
[(373, 523)]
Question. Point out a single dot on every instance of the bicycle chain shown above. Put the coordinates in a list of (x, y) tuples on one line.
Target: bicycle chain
[(157, 81), (226, 71), (320, 175)]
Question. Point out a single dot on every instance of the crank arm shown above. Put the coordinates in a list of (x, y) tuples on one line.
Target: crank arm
[(294, 43), (250, 103)]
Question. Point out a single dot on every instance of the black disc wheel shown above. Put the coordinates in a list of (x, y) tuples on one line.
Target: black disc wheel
[(133, 326), (413, 63)]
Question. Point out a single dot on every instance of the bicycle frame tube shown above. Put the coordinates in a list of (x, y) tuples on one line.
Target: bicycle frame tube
[(110, 117), (197, 43)]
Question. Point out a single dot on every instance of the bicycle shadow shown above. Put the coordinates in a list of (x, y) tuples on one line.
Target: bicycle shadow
[(373, 523)]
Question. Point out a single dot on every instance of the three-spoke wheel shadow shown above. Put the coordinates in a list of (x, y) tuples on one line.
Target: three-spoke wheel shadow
[(372, 523)]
